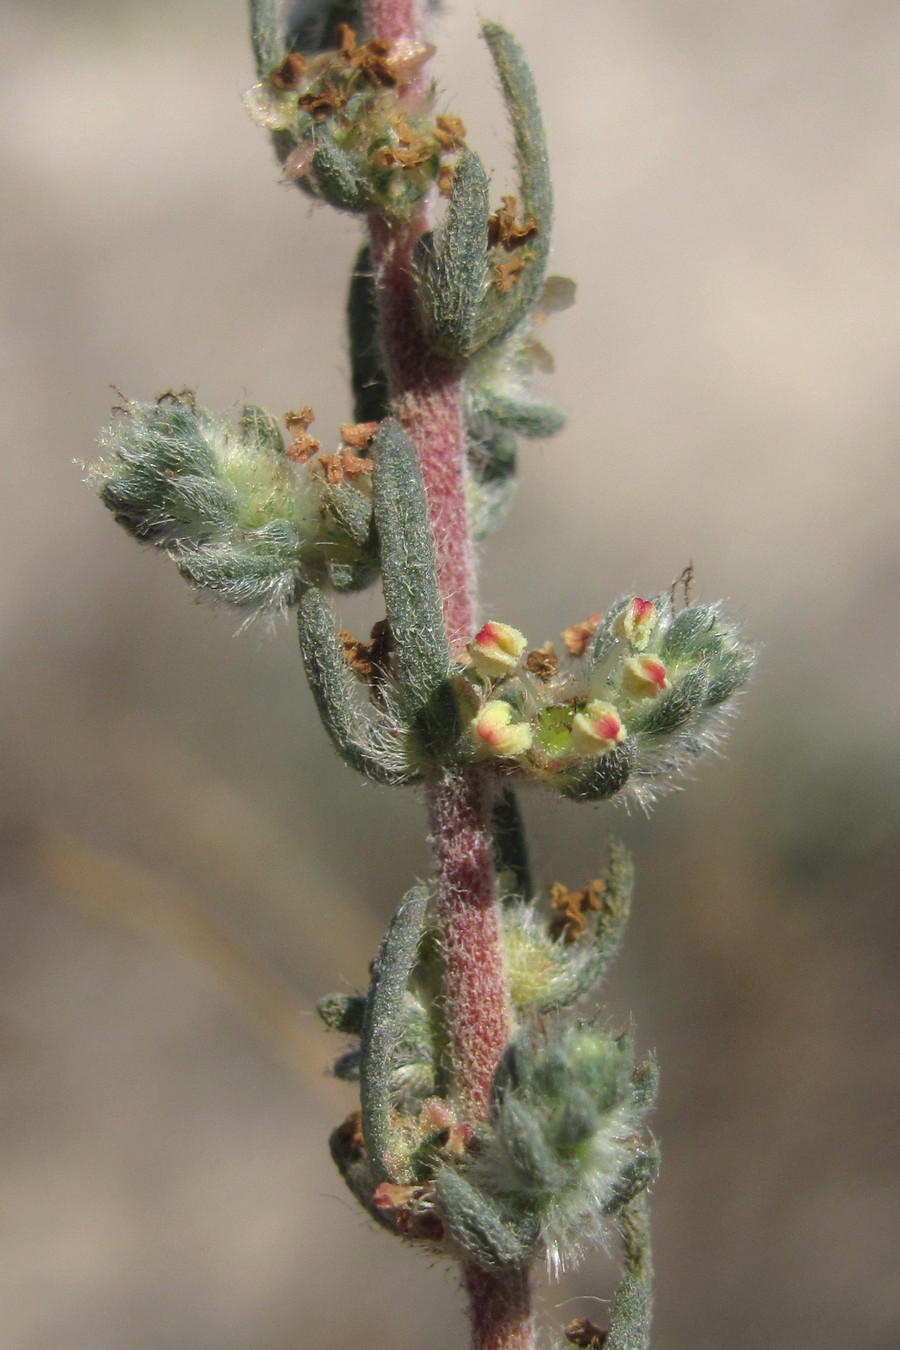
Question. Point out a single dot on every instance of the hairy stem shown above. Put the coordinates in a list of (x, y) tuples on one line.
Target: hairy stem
[(469, 924), (426, 392), (500, 1309), (393, 20)]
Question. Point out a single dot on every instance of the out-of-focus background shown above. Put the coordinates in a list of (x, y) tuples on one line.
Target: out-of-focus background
[(185, 865)]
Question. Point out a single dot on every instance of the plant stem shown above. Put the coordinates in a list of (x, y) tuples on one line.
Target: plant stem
[(500, 1308), (468, 919), (393, 20), (426, 392)]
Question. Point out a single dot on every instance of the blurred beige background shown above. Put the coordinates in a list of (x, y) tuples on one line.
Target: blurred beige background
[(186, 868)]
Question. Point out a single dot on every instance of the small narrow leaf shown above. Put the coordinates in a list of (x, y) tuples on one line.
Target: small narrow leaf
[(383, 1024), (510, 848), (629, 1326), (332, 689), (451, 263), (409, 578), (534, 418), (338, 178), (475, 1225), (502, 311), (371, 401)]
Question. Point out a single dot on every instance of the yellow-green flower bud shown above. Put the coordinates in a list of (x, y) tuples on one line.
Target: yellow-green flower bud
[(495, 650)]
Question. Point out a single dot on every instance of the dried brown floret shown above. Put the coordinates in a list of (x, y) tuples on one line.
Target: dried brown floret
[(504, 231), (302, 448), (586, 1335), (334, 469), (370, 57), (573, 908), (320, 102), (543, 662), (411, 149), (289, 72), (449, 131), (369, 660), (445, 180), (358, 434), (354, 465), (576, 638), (506, 274), (350, 1133), (297, 420)]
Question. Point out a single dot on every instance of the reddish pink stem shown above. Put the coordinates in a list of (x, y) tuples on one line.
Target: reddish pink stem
[(469, 923), (426, 392), (500, 1309), (426, 395), (392, 20)]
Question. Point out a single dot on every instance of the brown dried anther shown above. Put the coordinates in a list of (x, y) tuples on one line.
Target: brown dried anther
[(449, 132), (576, 638), (507, 274), (543, 662), (504, 231), (369, 660), (289, 72), (585, 1334), (573, 907), (445, 180), (320, 102), (350, 1134), (371, 57), (358, 434), (411, 148), (686, 581), (354, 465)]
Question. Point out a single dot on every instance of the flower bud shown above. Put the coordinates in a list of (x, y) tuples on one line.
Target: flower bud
[(597, 730), (636, 621), (644, 677), (497, 733), (495, 650)]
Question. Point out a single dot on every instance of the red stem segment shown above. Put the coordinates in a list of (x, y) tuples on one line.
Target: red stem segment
[(426, 393), (469, 923), (500, 1309)]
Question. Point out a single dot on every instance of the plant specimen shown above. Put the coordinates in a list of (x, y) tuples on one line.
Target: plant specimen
[(499, 1122)]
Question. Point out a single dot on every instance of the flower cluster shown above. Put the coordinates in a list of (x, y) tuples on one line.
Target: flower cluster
[(243, 514), (636, 697), (343, 135), (560, 1154)]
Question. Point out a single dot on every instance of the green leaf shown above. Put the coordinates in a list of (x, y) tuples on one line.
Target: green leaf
[(333, 690), (451, 263), (371, 400), (510, 848), (383, 1024), (629, 1325), (411, 595), (501, 312)]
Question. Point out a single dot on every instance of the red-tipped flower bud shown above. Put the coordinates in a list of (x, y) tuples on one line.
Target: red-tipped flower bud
[(496, 732), (636, 622), (495, 650), (644, 677), (597, 730)]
